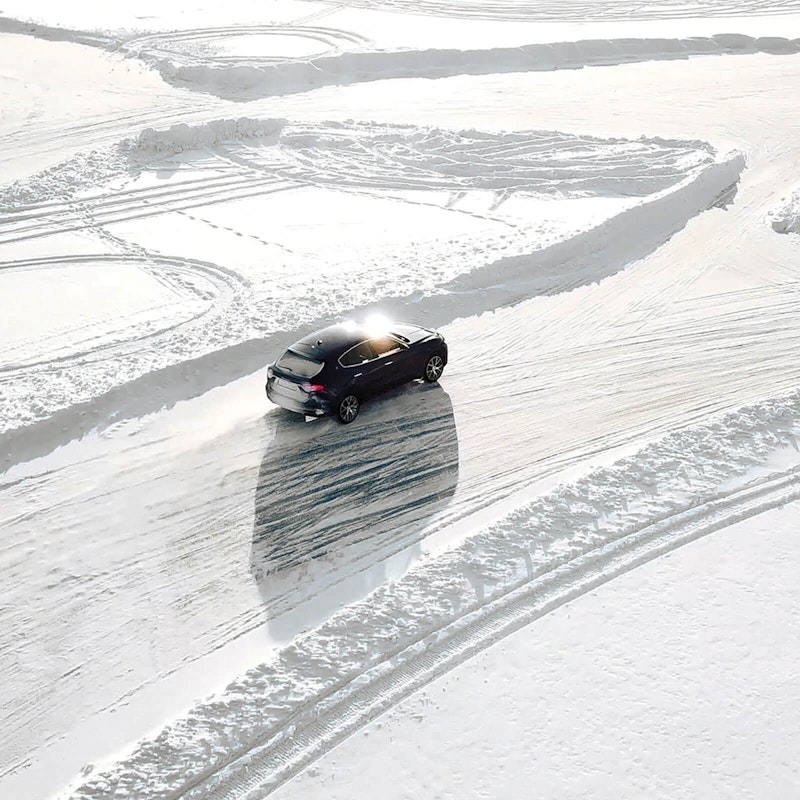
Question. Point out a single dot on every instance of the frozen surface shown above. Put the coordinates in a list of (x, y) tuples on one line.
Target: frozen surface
[(204, 596)]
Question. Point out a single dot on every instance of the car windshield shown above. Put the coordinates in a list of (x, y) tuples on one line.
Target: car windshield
[(299, 365)]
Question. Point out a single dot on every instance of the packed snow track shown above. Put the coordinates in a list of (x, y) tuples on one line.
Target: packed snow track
[(597, 205)]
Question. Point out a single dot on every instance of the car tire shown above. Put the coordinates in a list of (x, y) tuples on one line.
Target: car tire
[(348, 409), (434, 367)]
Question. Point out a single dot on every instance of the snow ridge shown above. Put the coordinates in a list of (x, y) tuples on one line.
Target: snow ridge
[(647, 499), (196, 59), (152, 143), (247, 79)]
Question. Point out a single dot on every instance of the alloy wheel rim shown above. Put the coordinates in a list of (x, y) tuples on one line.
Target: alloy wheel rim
[(434, 368), (349, 408)]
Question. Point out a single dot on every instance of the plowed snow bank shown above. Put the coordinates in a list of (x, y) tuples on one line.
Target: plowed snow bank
[(786, 218), (246, 81)]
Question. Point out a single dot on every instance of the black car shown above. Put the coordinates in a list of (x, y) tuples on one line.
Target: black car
[(334, 370)]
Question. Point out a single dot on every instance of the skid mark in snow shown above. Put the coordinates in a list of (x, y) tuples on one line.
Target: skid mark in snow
[(319, 491), (370, 655), (399, 157), (582, 10), (75, 354), (207, 46), (217, 287), (130, 204)]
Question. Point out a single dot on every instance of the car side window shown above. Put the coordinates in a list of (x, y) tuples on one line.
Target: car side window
[(385, 345), (359, 354)]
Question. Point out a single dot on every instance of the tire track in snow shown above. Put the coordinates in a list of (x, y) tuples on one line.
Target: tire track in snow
[(47, 219), (226, 288), (349, 58), (592, 255), (370, 655), (274, 764), (74, 360), (405, 157), (201, 46), (271, 155), (581, 10)]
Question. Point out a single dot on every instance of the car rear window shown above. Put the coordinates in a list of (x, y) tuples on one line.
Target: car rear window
[(299, 365)]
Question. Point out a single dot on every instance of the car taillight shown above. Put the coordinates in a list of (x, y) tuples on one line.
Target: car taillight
[(311, 388)]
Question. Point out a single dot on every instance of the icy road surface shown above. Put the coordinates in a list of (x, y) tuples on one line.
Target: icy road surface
[(610, 252)]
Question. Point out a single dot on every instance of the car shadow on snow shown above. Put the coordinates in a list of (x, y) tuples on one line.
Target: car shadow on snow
[(369, 487)]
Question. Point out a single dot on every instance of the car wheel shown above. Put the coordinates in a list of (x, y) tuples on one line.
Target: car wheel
[(348, 409), (434, 367)]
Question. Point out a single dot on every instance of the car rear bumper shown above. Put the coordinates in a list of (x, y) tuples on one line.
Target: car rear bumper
[(297, 401)]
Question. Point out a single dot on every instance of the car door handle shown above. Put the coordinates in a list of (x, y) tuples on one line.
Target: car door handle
[(389, 362)]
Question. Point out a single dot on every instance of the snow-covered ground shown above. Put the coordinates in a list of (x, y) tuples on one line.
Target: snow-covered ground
[(673, 682), (205, 597)]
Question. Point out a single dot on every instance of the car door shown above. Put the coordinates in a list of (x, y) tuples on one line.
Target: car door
[(362, 370), (394, 360)]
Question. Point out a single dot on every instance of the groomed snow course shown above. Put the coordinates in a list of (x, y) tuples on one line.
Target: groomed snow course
[(368, 656), (278, 717), (246, 307)]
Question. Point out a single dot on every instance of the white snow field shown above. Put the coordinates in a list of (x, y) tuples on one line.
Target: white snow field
[(569, 569)]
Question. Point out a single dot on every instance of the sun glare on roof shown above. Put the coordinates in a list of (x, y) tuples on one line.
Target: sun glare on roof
[(376, 324)]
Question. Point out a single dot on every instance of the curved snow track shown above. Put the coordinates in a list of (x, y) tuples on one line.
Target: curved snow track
[(220, 290), (582, 10), (191, 175), (292, 747), (370, 655), (200, 302), (242, 81), (206, 46), (156, 559), (68, 216), (397, 157)]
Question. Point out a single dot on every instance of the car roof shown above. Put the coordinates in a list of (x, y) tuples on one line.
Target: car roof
[(334, 340)]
